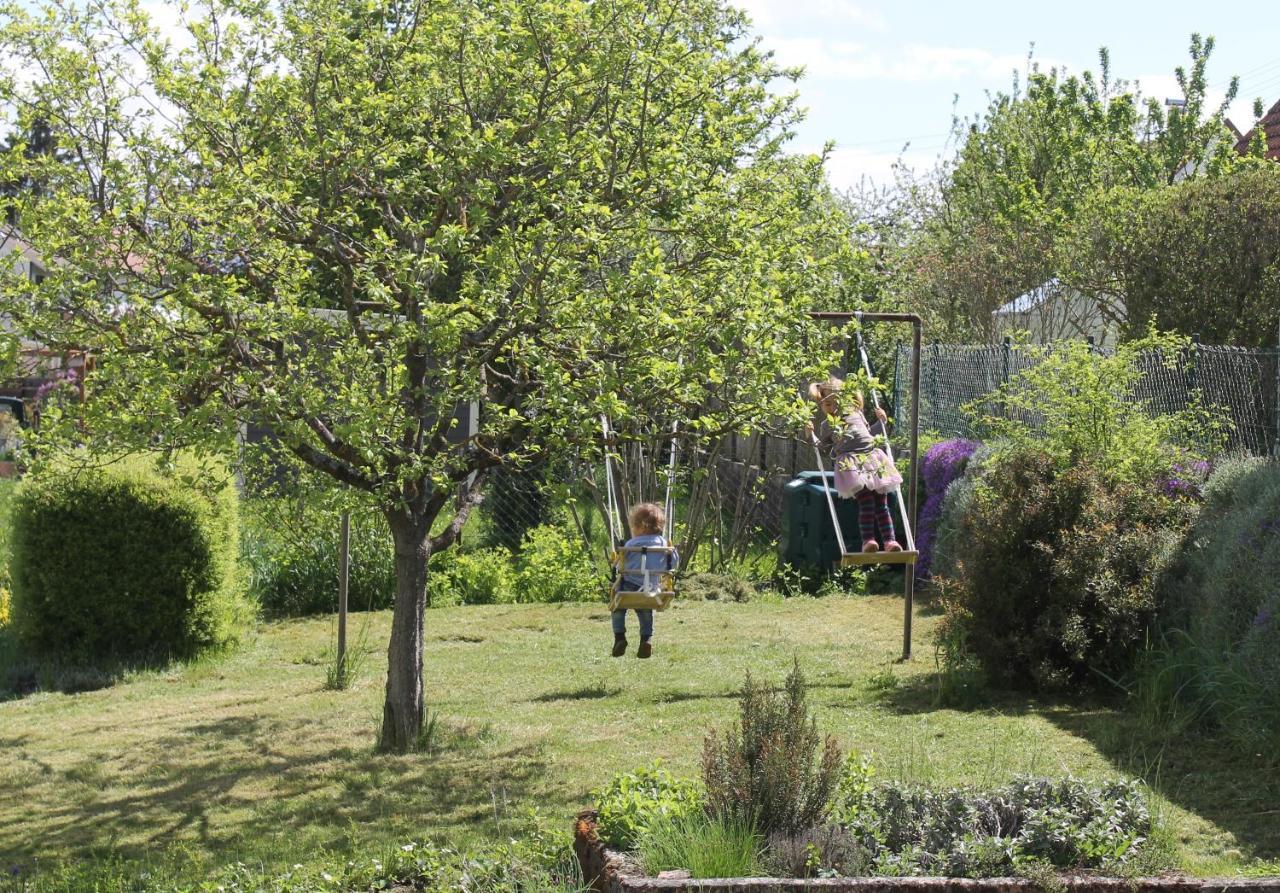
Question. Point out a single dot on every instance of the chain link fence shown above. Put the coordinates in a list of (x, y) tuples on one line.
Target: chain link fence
[(1237, 385), (745, 476)]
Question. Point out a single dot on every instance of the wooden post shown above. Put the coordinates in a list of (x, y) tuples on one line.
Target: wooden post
[(344, 576)]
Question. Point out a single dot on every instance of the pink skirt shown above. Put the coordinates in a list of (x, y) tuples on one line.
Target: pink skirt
[(873, 470)]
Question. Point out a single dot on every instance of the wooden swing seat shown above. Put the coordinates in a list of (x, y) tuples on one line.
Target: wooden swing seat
[(854, 559), (647, 599), (644, 601)]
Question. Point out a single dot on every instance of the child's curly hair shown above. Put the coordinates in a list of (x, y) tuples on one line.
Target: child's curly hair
[(832, 387), (647, 517)]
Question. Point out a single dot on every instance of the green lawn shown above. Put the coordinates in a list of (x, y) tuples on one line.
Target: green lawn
[(247, 757)]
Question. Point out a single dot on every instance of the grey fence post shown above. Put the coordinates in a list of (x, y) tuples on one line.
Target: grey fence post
[(897, 383), (1006, 348), (1193, 377), (1275, 445)]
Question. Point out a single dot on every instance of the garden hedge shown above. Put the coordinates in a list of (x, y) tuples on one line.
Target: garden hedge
[(127, 562)]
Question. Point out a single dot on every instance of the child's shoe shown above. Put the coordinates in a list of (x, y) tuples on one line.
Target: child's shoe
[(619, 646), (645, 649), (870, 546), (892, 546)]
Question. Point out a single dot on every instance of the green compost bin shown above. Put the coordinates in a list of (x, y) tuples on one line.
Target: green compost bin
[(808, 537)]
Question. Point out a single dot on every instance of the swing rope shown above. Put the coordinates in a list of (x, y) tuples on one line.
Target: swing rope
[(828, 489), (611, 494), (888, 449)]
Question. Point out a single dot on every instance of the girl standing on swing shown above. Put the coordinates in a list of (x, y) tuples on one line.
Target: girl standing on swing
[(863, 470)]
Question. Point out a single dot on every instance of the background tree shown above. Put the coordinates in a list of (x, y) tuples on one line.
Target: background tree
[(1025, 168), (343, 220), (1199, 257)]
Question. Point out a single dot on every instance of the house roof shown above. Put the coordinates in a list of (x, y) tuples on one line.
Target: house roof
[(1270, 125), (1032, 299)]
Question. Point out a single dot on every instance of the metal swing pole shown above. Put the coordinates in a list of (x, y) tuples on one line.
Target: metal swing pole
[(917, 338)]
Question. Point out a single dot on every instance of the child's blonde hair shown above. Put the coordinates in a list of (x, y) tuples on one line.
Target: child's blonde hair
[(834, 387), (647, 517)]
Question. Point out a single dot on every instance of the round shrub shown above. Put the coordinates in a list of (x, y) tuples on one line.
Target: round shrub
[(1054, 581), (127, 561), (1220, 607)]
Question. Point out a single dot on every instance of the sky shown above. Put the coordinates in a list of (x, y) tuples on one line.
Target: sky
[(883, 79)]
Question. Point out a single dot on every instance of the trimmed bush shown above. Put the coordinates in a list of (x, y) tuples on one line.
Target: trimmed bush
[(1220, 609), (127, 562), (1055, 575), (773, 770), (942, 464), (291, 549)]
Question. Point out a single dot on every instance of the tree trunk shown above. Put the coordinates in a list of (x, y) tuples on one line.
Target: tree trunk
[(402, 712)]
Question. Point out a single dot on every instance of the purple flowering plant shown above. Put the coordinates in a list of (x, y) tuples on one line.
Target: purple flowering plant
[(1185, 480), (942, 463)]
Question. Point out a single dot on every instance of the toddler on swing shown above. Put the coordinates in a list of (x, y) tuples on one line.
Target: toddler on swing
[(863, 471), (646, 521)]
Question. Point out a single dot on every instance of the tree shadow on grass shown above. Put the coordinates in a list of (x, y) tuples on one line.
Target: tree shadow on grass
[(1232, 788), (235, 786)]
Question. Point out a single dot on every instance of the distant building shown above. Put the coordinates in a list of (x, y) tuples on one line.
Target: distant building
[(1053, 311), (1270, 125)]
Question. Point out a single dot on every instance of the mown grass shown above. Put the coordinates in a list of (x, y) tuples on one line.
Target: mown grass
[(249, 757)]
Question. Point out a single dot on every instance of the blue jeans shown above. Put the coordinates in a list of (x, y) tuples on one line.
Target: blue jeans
[(646, 622)]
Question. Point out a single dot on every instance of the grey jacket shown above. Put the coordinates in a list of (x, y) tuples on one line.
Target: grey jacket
[(852, 435)]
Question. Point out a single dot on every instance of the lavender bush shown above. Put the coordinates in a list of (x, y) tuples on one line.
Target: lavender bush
[(942, 464)]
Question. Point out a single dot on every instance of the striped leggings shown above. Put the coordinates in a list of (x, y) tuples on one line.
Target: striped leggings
[(873, 511)]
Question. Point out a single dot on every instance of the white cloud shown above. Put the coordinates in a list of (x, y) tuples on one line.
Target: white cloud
[(771, 14), (849, 168), (849, 60)]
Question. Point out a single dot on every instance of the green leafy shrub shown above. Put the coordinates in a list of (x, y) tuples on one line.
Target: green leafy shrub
[(553, 567), (961, 832), (128, 561), (1054, 585), (720, 847), (1079, 406), (292, 549), (773, 769), (1219, 657), (632, 801), (475, 577)]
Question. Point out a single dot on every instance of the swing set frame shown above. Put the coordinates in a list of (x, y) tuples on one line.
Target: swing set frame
[(908, 557)]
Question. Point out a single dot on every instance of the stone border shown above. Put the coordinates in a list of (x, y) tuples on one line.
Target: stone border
[(609, 871)]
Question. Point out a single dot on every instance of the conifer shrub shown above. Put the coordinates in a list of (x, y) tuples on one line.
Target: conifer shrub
[(773, 769), (128, 561)]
